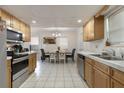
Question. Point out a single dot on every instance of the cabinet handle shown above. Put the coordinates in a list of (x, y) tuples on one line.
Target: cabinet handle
[(112, 72)]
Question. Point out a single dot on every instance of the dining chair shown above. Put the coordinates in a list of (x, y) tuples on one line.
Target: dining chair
[(52, 57), (44, 56), (57, 56), (61, 57), (70, 55)]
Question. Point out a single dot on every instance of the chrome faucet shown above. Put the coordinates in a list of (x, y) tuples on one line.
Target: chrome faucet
[(110, 52), (113, 52)]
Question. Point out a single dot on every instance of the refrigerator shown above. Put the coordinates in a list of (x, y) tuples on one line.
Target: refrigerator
[(3, 76)]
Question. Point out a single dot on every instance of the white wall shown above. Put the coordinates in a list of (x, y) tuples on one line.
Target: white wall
[(70, 33)]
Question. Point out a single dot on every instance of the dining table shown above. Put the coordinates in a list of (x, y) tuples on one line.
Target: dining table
[(58, 55)]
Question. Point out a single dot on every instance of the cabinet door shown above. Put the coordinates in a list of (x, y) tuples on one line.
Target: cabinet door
[(6, 17), (89, 74), (34, 61), (9, 82), (116, 84), (101, 80), (30, 63), (15, 23), (27, 33), (104, 68), (94, 29), (22, 29), (117, 75), (84, 33), (91, 31), (25, 29)]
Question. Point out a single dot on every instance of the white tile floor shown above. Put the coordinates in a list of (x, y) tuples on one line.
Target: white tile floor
[(51, 75)]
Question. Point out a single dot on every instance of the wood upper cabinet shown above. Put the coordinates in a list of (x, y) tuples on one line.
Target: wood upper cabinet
[(16, 23), (101, 80), (9, 70), (22, 29), (94, 29), (6, 17), (25, 29), (27, 34)]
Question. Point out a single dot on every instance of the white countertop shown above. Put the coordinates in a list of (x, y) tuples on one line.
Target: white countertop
[(9, 57), (29, 52), (112, 63)]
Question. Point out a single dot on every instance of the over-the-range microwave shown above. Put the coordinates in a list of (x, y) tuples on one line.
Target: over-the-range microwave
[(13, 35)]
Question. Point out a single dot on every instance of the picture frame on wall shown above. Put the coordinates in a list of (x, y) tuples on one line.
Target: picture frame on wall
[(49, 40)]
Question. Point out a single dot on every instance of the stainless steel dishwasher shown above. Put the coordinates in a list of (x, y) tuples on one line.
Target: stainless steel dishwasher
[(80, 65)]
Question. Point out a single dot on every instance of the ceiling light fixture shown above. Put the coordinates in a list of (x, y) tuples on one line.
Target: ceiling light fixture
[(79, 21), (33, 21), (56, 34)]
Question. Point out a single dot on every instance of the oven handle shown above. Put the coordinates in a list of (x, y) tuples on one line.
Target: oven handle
[(20, 59)]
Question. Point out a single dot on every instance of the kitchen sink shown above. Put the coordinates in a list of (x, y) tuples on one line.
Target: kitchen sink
[(107, 57)]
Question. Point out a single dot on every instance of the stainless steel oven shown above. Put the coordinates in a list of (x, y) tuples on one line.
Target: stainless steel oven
[(19, 70)]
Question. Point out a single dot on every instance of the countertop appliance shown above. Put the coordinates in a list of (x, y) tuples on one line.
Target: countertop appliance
[(80, 65)]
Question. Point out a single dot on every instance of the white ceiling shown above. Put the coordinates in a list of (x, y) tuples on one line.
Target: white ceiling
[(53, 15)]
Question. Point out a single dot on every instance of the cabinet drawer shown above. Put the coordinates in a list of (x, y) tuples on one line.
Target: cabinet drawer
[(90, 61), (116, 84), (117, 75), (102, 67)]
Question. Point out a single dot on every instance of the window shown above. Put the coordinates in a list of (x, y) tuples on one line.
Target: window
[(116, 26), (34, 41), (62, 42)]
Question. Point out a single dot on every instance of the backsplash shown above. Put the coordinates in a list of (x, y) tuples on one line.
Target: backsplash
[(94, 46)]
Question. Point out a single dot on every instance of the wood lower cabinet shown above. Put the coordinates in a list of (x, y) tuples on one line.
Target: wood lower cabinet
[(117, 75), (102, 67), (32, 62), (89, 74), (117, 78), (116, 84), (99, 75), (101, 80), (8, 65)]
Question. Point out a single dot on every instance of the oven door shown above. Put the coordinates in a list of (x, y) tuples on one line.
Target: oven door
[(19, 68)]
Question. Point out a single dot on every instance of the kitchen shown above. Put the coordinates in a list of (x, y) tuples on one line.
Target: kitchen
[(99, 51)]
